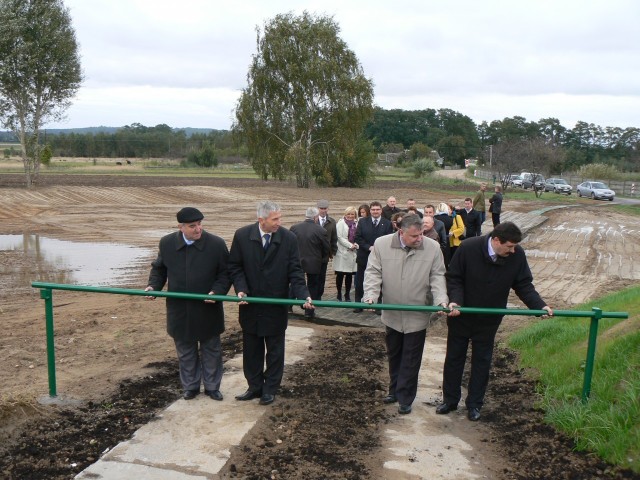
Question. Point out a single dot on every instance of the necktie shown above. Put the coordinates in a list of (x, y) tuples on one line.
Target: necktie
[(407, 248), (267, 237), (375, 223), (494, 257), (322, 222)]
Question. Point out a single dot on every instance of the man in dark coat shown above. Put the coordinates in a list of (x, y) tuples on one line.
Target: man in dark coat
[(368, 230), (194, 261), (390, 208), (264, 262), (329, 224), (313, 245), (481, 274), (438, 225), (471, 218), (495, 207)]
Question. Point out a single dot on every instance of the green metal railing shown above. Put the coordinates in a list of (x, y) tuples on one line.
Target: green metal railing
[(46, 293)]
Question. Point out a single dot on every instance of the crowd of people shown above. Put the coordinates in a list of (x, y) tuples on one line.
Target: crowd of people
[(433, 256)]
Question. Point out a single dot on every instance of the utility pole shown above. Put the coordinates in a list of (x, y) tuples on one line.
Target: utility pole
[(490, 154)]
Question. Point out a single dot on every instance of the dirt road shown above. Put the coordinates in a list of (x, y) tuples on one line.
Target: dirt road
[(580, 252)]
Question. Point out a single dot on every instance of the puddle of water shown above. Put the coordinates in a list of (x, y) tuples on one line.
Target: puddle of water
[(29, 258)]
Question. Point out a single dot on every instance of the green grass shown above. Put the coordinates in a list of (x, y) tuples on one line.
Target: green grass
[(609, 423)]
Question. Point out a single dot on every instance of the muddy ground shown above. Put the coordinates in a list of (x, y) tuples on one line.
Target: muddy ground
[(115, 359)]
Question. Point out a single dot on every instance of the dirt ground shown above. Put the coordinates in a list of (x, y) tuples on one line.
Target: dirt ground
[(115, 358)]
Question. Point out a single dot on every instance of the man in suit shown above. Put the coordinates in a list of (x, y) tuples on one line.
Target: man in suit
[(313, 245), (329, 224), (481, 274), (471, 219), (390, 208), (369, 229), (192, 260), (264, 262)]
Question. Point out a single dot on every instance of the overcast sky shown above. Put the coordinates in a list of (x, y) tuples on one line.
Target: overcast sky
[(185, 63)]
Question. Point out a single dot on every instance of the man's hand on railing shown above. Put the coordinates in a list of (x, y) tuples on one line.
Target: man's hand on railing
[(148, 289), (242, 295), (210, 301), (454, 312)]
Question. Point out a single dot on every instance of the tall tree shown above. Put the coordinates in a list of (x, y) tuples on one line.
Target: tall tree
[(39, 71), (307, 100)]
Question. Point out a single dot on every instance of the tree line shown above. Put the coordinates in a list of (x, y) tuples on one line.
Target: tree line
[(452, 134)]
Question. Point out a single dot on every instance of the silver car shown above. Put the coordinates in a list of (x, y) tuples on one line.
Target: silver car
[(595, 190), (557, 185)]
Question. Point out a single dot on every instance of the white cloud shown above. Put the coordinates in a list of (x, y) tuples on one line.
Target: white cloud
[(184, 64)]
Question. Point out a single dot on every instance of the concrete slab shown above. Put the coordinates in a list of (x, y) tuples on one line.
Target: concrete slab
[(193, 439)]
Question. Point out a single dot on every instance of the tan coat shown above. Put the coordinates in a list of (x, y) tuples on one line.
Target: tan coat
[(407, 278)]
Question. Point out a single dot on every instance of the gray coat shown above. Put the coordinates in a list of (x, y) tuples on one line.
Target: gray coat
[(197, 268), (406, 278)]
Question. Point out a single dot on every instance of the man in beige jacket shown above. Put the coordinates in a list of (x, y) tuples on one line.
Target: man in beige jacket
[(410, 270)]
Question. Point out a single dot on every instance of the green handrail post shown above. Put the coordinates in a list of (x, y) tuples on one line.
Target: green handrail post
[(591, 353), (47, 295)]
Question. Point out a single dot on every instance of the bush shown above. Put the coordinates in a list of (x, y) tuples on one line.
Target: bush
[(422, 167), (599, 170)]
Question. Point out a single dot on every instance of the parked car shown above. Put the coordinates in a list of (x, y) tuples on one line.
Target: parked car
[(595, 190), (557, 185), (514, 180), (530, 180)]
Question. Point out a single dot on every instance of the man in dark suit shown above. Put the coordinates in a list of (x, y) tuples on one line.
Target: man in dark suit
[(192, 260), (369, 229), (471, 219), (313, 245), (329, 224), (264, 262)]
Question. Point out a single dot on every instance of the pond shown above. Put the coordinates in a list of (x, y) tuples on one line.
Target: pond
[(29, 258)]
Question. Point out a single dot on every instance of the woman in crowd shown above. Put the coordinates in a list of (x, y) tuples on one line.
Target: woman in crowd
[(396, 219), (456, 232), (363, 210), (344, 262), (442, 214)]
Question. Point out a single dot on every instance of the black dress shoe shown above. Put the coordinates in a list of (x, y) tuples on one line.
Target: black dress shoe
[(249, 395), (445, 408), (214, 394), (473, 414), (357, 310), (347, 298), (267, 399), (190, 394), (404, 409), (389, 399)]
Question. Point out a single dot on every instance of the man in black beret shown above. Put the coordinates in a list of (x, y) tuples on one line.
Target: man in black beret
[(194, 261)]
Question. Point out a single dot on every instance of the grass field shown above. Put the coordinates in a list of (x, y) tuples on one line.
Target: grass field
[(609, 423)]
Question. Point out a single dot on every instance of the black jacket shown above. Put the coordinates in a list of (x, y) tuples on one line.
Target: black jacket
[(332, 234), (197, 268), (265, 274), (495, 203), (366, 235), (472, 222), (474, 280), (313, 245)]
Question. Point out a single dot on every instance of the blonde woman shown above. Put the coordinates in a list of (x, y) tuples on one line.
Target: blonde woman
[(456, 231), (344, 262)]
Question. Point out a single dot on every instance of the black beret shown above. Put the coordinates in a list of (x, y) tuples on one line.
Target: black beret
[(189, 214)]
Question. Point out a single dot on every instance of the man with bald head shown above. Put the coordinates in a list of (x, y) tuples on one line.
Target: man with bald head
[(390, 208)]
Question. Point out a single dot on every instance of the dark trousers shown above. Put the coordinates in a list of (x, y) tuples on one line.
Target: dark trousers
[(482, 340), (313, 284), (483, 217), (495, 217), (321, 281), (258, 378), (404, 351), (360, 281), (200, 362)]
